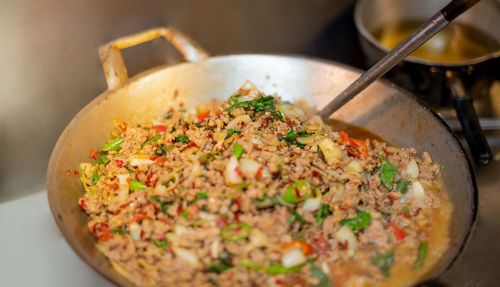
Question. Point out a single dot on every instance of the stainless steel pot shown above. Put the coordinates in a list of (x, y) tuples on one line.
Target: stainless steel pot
[(438, 83), (386, 110)]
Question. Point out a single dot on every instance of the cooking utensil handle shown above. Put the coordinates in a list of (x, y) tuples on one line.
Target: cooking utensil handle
[(112, 60), (466, 114)]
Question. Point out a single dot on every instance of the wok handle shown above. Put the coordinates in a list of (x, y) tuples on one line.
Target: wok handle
[(112, 60), (466, 114)]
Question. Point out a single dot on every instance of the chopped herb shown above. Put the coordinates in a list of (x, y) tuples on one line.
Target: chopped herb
[(238, 150), (160, 243), (387, 174), (273, 269), (119, 231), (198, 125), (233, 131), (151, 140), (183, 139), (296, 215), (103, 159), (161, 150), (422, 253), (260, 104), (234, 99), (206, 158), (113, 145), (204, 176), (200, 195), (172, 130), (130, 170), (184, 213), (324, 280), (303, 134), (155, 198), (359, 222), (236, 232), (301, 145), (406, 209), (292, 135), (95, 177), (136, 185), (261, 199), (218, 267), (402, 185), (322, 213), (384, 263), (241, 186)]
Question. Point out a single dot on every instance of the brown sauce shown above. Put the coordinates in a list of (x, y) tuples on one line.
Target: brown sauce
[(454, 44)]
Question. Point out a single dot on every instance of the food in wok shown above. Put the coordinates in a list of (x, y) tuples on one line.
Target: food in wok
[(254, 191)]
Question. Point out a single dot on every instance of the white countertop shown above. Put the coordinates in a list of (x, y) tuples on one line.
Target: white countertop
[(34, 253)]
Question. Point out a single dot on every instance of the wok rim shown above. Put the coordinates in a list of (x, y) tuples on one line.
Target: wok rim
[(122, 281)]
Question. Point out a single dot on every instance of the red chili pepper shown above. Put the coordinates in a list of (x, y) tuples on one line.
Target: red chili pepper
[(388, 153), (161, 129), (105, 236), (222, 221), (304, 247), (201, 117), (76, 173), (122, 126), (141, 235), (258, 174), (238, 171), (119, 163), (362, 144), (405, 214), (83, 205), (189, 145), (113, 185), (398, 232), (237, 217), (99, 227), (138, 218), (68, 172), (289, 122), (353, 145), (238, 202), (392, 198), (93, 154)]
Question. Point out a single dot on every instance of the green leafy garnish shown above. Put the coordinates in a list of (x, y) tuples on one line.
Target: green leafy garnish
[(160, 243), (322, 213), (113, 145), (119, 231), (200, 195), (422, 254), (296, 215), (273, 269), (359, 222), (384, 263), (236, 232), (234, 99), (260, 104), (387, 174), (292, 135), (136, 185), (238, 150), (151, 140), (233, 131), (103, 159), (402, 185), (95, 177), (182, 139), (324, 281), (218, 267)]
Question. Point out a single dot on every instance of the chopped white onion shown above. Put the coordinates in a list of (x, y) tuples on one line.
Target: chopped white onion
[(418, 190), (258, 238), (207, 216), (249, 167), (135, 231), (215, 249), (354, 167), (312, 204), (293, 258), (290, 110), (345, 234), (187, 256), (137, 160), (412, 169), (230, 175), (331, 151), (179, 229)]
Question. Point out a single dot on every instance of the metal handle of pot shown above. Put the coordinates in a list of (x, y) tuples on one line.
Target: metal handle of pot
[(478, 145), (112, 60)]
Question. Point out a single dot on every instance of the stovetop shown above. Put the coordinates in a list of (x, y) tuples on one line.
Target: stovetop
[(477, 264)]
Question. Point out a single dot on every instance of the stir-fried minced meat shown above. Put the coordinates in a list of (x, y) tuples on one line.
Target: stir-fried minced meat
[(257, 192)]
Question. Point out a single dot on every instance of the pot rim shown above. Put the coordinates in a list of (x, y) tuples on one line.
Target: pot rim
[(51, 182)]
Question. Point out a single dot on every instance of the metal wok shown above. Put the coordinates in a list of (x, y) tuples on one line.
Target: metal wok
[(383, 109)]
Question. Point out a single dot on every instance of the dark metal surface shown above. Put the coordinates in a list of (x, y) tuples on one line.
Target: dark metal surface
[(50, 66)]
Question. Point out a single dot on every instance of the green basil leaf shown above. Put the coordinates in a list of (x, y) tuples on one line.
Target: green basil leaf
[(361, 221), (387, 174)]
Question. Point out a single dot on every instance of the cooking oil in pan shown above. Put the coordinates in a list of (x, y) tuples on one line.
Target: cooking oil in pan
[(454, 44)]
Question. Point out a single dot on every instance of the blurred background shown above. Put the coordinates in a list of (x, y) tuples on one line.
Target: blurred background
[(50, 67)]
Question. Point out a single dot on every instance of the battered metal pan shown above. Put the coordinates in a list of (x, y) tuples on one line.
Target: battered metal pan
[(383, 109)]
